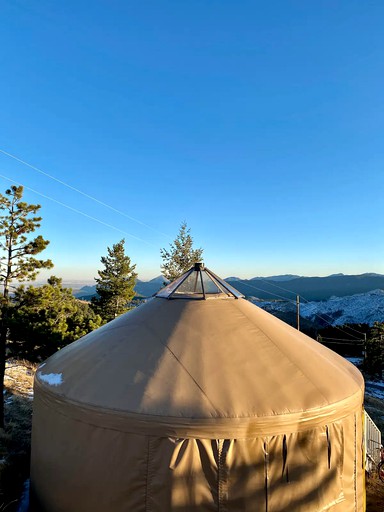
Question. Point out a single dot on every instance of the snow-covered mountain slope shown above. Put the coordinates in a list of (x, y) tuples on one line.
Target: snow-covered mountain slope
[(360, 308)]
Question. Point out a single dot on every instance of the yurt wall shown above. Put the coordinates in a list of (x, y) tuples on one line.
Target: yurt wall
[(106, 468)]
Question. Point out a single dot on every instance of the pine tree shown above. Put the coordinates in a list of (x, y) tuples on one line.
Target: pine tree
[(115, 284), (374, 350), (181, 255), (46, 318), (18, 262)]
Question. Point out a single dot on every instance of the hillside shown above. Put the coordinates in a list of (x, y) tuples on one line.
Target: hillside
[(277, 287), (355, 309), (142, 289), (312, 288), (336, 300)]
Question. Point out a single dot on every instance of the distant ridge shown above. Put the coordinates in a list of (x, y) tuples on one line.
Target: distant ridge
[(362, 308), (148, 288), (284, 286), (282, 278), (312, 288), (142, 288)]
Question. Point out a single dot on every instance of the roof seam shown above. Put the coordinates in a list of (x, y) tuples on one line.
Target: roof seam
[(182, 365), (285, 354)]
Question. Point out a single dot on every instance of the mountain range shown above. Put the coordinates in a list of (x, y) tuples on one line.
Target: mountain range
[(362, 308), (337, 299), (311, 288), (277, 287), (142, 288)]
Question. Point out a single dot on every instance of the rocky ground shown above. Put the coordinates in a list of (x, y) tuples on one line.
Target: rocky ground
[(15, 438)]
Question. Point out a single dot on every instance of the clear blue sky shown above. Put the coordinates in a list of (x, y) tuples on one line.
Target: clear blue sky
[(259, 123)]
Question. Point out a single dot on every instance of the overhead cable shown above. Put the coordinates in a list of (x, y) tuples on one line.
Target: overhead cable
[(77, 211), (102, 203), (315, 314), (301, 297)]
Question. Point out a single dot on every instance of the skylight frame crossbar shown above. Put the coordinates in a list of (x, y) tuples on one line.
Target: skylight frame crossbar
[(217, 283), (223, 289), (229, 289), (202, 283), (186, 275)]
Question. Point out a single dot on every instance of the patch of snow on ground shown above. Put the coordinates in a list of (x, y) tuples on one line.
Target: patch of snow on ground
[(357, 361), (359, 308), (375, 383), (24, 500), (53, 379), (375, 393), (375, 389)]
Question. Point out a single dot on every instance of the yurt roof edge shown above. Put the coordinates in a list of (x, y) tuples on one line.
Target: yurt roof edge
[(210, 428)]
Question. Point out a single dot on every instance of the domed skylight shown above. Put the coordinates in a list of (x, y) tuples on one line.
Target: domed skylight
[(199, 283)]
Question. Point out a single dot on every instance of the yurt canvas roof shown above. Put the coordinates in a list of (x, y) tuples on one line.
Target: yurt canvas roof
[(209, 368)]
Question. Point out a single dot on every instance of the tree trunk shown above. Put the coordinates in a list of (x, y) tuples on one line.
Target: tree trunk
[(3, 336), (3, 344)]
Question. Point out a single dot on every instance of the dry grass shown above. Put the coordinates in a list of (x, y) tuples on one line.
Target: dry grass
[(15, 439), (375, 494), (19, 378), (375, 488)]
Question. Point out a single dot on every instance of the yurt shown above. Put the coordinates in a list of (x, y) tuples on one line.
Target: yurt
[(197, 400)]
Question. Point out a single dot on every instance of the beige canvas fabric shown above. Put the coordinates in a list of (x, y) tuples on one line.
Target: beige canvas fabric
[(188, 405)]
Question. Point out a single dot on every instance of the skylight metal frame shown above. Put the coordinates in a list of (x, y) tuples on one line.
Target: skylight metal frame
[(226, 291)]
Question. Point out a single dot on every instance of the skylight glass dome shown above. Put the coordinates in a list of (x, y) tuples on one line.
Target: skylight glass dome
[(199, 283)]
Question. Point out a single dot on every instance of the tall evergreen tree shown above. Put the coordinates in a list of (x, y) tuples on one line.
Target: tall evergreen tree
[(115, 284), (181, 255), (17, 262), (374, 354)]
